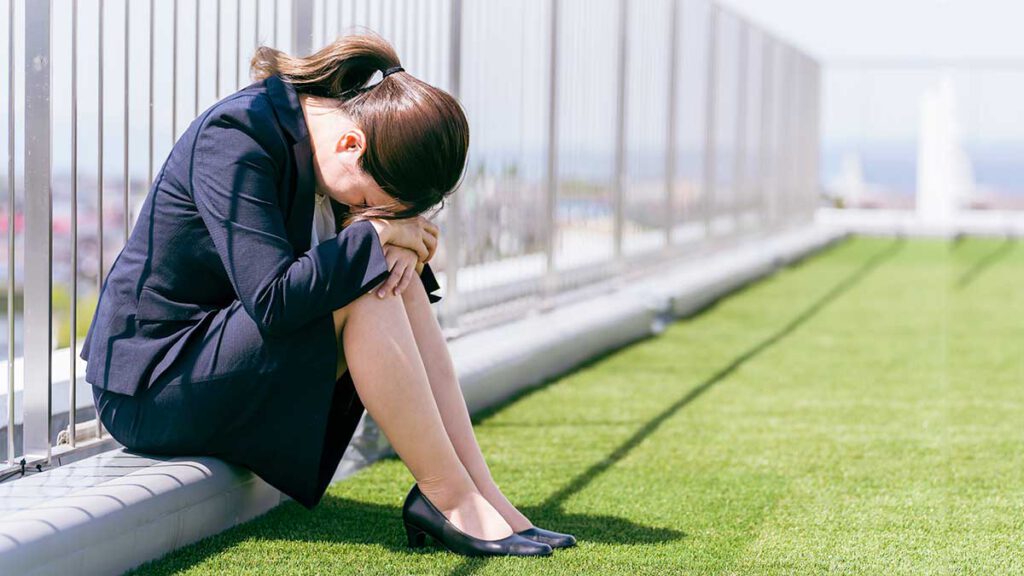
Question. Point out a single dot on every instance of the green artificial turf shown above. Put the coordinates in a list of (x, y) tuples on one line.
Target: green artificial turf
[(860, 413)]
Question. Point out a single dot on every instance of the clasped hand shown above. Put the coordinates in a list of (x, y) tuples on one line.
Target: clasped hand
[(408, 244)]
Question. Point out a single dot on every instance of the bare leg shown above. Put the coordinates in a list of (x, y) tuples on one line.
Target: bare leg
[(389, 376), (452, 404)]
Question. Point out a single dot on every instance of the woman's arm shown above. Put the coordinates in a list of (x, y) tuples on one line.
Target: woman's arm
[(234, 186)]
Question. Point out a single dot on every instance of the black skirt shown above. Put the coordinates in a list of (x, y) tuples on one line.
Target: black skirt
[(270, 405)]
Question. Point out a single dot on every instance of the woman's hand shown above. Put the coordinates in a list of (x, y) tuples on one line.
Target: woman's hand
[(404, 265), (417, 234)]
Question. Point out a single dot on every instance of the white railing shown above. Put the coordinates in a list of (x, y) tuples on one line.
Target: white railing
[(606, 135)]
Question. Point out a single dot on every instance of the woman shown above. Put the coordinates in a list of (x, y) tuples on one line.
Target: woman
[(241, 319)]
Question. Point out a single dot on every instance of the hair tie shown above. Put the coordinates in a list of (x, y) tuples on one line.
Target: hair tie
[(391, 70)]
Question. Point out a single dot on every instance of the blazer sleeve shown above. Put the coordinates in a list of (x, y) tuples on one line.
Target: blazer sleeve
[(234, 186)]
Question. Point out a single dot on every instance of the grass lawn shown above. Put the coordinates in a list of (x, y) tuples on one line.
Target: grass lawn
[(860, 413)]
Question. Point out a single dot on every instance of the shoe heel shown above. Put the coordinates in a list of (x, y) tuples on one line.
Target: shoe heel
[(417, 537)]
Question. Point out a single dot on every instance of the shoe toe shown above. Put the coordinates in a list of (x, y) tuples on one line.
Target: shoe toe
[(525, 546), (553, 539)]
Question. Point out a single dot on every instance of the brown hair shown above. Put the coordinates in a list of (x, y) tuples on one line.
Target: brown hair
[(417, 135)]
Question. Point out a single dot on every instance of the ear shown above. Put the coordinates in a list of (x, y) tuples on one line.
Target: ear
[(352, 140)]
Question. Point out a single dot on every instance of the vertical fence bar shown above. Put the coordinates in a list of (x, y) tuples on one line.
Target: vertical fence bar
[(174, 73), (152, 58), (815, 134), (99, 140), (620, 135), (99, 173), (740, 149), (323, 25), (127, 171), (216, 58), (238, 40), (10, 231), (453, 220), (778, 116), (764, 159), (778, 127), (302, 27), (798, 141), (670, 133), (804, 134), (72, 389), (551, 161), (195, 72), (710, 170), (36, 399), (812, 136), (785, 160), (796, 178), (793, 174)]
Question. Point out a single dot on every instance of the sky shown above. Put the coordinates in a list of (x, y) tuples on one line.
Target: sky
[(879, 56), (837, 30)]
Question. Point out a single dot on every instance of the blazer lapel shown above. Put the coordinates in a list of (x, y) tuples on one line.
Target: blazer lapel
[(289, 112)]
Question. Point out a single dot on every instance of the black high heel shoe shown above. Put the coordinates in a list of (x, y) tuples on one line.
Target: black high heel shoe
[(553, 539), (421, 517)]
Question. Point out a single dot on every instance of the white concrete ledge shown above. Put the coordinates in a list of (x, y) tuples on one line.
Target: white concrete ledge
[(906, 223), (113, 511), (106, 528)]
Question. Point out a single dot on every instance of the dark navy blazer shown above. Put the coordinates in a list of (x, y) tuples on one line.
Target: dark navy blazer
[(228, 218)]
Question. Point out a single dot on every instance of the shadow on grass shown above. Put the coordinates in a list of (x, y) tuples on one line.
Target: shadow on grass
[(984, 263), (551, 506), (343, 520), (483, 415)]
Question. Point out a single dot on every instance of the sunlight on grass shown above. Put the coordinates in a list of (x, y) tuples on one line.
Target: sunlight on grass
[(857, 414)]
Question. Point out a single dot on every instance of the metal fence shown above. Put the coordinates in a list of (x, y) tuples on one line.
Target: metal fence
[(606, 136)]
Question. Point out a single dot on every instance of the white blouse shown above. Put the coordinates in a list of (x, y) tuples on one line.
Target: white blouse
[(323, 219)]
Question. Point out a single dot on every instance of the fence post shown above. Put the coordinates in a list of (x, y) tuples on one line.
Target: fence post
[(302, 27), (10, 229), (620, 135), (36, 398), (670, 133), (449, 316), (765, 146), (551, 163), (710, 170), (739, 178), (815, 146)]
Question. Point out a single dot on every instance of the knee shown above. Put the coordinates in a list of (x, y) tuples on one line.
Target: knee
[(368, 302)]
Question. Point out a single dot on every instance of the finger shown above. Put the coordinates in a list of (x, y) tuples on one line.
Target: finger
[(399, 274), (406, 279), (431, 233), (430, 243), (390, 283), (426, 226), (429, 226)]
